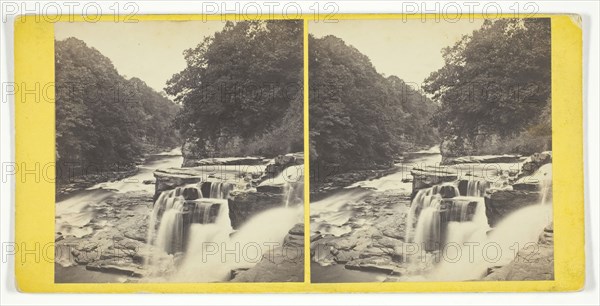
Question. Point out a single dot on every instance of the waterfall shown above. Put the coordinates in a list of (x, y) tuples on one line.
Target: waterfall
[(170, 233), (291, 183), (220, 190), (476, 188), (428, 232), (178, 208), (544, 173), (293, 193), (426, 198), (460, 223), (214, 250), (194, 225)]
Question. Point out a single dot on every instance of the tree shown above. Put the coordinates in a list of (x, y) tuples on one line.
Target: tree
[(239, 86), (495, 84), (359, 118), (102, 119)]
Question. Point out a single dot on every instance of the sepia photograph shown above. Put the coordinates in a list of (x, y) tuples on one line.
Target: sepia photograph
[(179, 151), (430, 150)]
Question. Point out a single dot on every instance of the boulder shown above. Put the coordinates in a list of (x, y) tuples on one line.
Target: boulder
[(279, 163), (448, 191), (535, 161), (117, 266), (171, 178), (283, 264), (536, 181), (245, 204), (374, 264), (501, 202), (430, 176), (530, 263), (295, 236)]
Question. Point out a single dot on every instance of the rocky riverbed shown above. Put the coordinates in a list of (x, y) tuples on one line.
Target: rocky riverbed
[(374, 238), (102, 233), (359, 232)]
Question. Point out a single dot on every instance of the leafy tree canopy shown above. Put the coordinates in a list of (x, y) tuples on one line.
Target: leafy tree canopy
[(242, 90), (103, 119), (496, 82), (358, 117)]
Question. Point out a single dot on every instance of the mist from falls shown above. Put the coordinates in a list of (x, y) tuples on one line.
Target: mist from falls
[(195, 236), (453, 231)]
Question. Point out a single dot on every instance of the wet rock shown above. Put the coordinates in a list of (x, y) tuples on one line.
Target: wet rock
[(171, 178), (323, 254), (530, 263), (535, 181), (245, 204), (281, 162), (373, 264), (191, 193), (123, 267), (446, 191), (246, 160), (506, 158), (501, 202), (547, 235), (393, 226), (345, 256), (298, 229), (330, 179), (236, 272), (429, 176), (295, 236), (535, 161), (284, 264)]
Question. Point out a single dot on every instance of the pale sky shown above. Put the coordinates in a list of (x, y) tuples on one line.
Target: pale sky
[(409, 49), (149, 50), (152, 50)]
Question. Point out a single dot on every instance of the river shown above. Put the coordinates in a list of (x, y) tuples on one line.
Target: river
[(113, 231), (364, 226), (83, 213)]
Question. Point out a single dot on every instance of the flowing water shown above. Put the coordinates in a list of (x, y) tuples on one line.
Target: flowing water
[(182, 222), (464, 244), (195, 229), (447, 222), (82, 213), (76, 211)]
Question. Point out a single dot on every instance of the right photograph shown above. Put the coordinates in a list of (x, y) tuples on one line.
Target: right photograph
[(430, 150)]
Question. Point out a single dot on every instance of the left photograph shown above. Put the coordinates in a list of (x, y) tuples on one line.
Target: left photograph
[(179, 151)]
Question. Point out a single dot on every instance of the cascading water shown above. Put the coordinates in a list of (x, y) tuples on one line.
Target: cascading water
[(198, 226), (476, 188), (170, 236), (427, 200), (461, 222), (214, 252), (220, 190), (180, 207), (291, 182)]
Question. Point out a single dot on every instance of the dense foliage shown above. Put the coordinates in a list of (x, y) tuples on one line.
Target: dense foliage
[(358, 117), (102, 119), (242, 91), (495, 89)]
